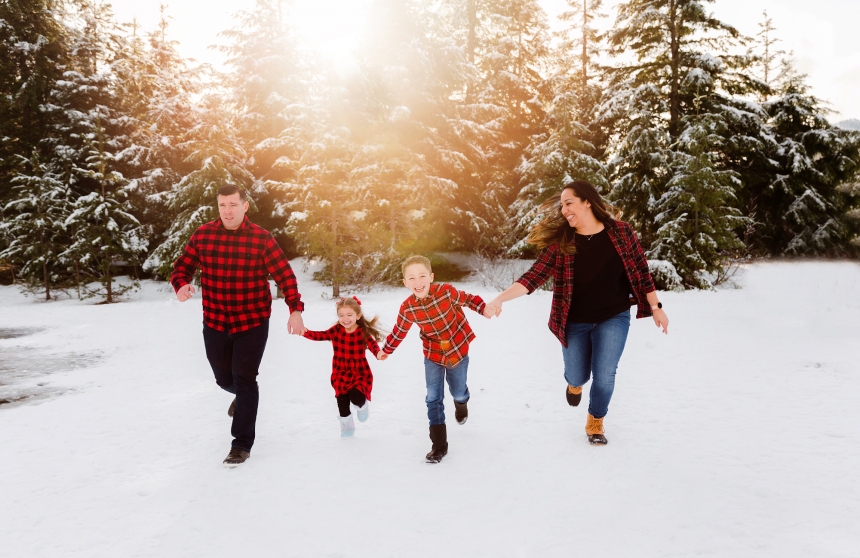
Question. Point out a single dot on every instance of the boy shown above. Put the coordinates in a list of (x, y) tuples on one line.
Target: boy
[(446, 335)]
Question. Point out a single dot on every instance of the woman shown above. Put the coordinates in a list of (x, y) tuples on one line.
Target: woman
[(599, 271)]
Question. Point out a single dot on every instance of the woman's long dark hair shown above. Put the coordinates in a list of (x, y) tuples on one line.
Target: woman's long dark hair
[(554, 228)]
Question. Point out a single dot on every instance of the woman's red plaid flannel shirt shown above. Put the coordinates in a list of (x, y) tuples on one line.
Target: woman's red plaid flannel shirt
[(349, 366), (552, 262), (445, 332), (234, 274)]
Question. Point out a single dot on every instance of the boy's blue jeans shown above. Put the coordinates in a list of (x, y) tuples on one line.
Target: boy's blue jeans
[(594, 350), (436, 375)]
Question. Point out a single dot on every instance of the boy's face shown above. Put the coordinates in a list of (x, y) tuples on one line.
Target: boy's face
[(417, 278)]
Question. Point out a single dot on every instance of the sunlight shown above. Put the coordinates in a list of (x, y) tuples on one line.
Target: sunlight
[(332, 27)]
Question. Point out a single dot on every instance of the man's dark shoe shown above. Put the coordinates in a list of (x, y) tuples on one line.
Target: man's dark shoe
[(232, 408), (236, 457), (461, 412), (574, 395), (439, 437)]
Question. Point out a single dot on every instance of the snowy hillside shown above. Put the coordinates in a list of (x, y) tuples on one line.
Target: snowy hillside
[(736, 435)]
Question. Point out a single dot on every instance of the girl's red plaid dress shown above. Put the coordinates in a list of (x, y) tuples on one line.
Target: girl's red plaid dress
[(349, 366)]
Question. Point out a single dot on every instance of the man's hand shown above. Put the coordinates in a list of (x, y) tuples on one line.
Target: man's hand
[(185, 292), (296, 325), (381, 355)]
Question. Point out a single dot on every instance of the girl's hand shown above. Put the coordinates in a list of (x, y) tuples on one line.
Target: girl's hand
[(661, 320), (489, 311), (381, 355)]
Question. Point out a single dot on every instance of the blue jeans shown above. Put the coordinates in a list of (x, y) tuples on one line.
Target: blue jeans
[(436, 375), (235, 360), (595, 349)]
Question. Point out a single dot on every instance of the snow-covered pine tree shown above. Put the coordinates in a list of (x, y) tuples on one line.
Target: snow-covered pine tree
[(695, 215), (804, 206), (511, 45), (33, 51), (92, 133), (324, 201), (158, 91), (35, 226), (676, 62), (268, 76), (572, 146), (215, 154)]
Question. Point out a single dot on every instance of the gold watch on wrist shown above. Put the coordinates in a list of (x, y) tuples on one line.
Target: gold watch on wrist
[(656, 306)]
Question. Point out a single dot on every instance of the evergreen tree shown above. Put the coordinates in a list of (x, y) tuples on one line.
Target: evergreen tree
[(695, 215), (685, 72), (217, 159), (36, 225), (91, 139), (573, 145), (33, 52), (804, 205)]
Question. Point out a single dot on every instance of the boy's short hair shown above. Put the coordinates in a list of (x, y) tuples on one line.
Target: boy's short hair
[(230, 189), (416, 260)]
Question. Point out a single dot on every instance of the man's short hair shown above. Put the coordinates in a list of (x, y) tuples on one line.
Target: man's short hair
[(230, 189), (416, 260)]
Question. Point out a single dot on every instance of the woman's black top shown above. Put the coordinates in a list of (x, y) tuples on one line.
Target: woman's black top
[(600, 285)]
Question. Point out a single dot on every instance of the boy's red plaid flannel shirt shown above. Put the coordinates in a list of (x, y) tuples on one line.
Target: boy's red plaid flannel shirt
[(445, 332), (349, 366), (552, 262), (235, 268)]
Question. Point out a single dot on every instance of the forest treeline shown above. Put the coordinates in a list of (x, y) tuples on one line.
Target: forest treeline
[(461, 118)]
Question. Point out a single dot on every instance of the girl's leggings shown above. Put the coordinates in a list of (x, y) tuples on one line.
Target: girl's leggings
[(356, 397)]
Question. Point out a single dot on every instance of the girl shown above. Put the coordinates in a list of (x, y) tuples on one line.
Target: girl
[(350, 375)]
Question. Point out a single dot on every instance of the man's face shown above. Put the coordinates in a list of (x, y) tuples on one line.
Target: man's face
[(417, 278), (232, 210)]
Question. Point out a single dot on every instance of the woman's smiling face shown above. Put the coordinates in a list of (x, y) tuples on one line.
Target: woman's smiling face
[(576, 211)]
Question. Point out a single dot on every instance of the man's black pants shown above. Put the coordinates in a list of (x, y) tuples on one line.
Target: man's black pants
[(235, 360)]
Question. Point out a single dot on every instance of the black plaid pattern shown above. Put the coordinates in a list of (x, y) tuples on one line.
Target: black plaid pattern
[(235, 268), (349, 366)]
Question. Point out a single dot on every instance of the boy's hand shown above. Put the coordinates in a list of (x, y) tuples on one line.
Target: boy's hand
[(381, 355), (494, 306)]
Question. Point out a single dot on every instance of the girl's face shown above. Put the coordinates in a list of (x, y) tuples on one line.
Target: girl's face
[(347, 317), (576, 211)]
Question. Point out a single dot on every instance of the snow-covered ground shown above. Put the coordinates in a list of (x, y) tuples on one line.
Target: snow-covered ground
[(736, 435)]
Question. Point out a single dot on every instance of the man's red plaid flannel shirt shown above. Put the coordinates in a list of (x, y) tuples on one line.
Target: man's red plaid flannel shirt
[(445, 332), (552, 262), (349, 366), (235, 268)]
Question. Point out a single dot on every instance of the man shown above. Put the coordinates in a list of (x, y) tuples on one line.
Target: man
[(235, 258)]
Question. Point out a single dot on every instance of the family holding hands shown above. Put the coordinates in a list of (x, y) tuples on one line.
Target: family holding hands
[(596, 264)]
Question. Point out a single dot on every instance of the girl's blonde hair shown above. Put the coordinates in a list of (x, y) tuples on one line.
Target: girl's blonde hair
[(369, 327)]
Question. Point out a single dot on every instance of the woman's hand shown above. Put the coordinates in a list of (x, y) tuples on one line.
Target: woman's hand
[(661, 319), (492, 309)]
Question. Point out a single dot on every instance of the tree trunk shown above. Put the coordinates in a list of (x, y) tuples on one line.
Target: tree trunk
[(584, 46), (335, 282), (45, 264), (472, 41), (674, 94)]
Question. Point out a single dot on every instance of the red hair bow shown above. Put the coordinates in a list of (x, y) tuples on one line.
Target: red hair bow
[(355, 298)]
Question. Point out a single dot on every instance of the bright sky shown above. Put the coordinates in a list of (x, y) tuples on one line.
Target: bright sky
[(821, 32)]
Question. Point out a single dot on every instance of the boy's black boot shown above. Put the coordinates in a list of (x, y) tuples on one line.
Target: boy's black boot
[(461, 412), (439, 437)]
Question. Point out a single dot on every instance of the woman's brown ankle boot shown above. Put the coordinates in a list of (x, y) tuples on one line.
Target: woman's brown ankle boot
[(594, 429)]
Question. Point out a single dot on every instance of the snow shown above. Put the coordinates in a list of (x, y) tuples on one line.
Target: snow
[(735, 435)]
